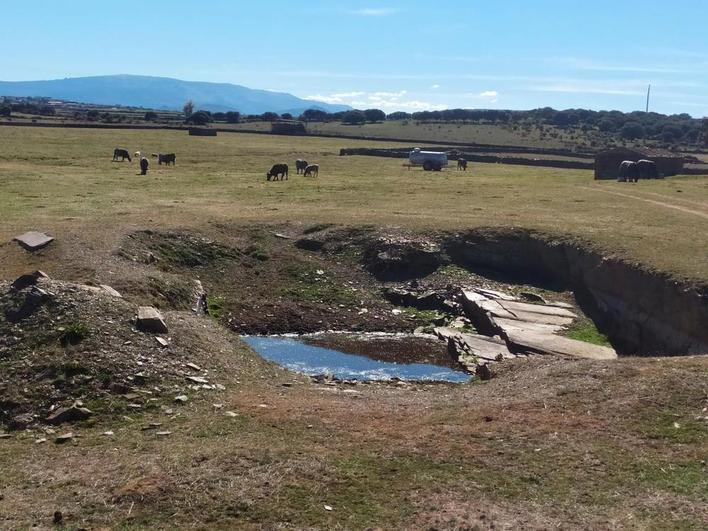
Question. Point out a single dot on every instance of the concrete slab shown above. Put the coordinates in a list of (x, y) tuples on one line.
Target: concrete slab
[(483, 347), (514, 307), (545, 343), (33, 240), (506, 325), (150, 320)]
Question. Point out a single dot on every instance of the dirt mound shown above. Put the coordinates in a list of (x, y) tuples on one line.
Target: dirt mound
[(61, 343)]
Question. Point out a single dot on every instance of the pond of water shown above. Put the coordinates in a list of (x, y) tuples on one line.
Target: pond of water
[(297, 354)]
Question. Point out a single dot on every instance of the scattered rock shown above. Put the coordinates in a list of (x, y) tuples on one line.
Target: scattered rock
[(111, 291), (483, 372), (5, 436), (30, 279), (150, 320), (25, 303), (69, 414), (21, 422), (182, 399), (328, 508), (163, 433), (40, 441), (162, 341), (33, 240), (231, 414), (108, 433), (65, 438), (193, 366), (197, 379)]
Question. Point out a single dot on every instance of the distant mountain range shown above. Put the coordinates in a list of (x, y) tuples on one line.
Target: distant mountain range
[(164, 93)]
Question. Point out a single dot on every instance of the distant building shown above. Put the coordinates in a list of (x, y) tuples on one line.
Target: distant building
[(607, 162)]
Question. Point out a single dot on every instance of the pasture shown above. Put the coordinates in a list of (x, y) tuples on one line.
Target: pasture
[(63, 181), (548, 441)]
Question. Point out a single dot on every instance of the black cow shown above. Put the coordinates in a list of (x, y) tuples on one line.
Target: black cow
[(144, 163), (300, 165), (462, 164), (647, 169), (277, 170), (165, 158), (122, 153), (628, 172)]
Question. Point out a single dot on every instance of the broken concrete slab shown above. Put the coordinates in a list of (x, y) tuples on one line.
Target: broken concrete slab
[(544, 343), (33, 240), (150, 320), (474, 345), (505, 325)]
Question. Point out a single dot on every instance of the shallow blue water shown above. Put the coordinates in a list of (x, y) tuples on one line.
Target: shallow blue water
[(300, 357)]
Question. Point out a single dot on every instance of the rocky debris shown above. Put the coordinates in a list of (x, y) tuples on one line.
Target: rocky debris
[(21, 422), (550, 343), (150, 320), (162, 341), (30, 279), (483, 372), (33, 240), (181, 399), (19, 305), (5, 436), (69, 414), (197, 379)]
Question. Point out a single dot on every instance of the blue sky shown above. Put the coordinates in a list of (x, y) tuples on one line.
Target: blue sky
[(392, 55)]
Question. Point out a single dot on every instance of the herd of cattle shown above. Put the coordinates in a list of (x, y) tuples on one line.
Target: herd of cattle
[(162, 158), (630, 171), (280, 171)]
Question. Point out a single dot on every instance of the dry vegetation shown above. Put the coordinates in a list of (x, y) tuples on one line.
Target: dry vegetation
[(549, 443)]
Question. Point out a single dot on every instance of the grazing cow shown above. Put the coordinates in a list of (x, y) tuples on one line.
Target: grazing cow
[(312, 170), (647, 169), (165, 158), (628, 172), (144, 163), (277, 171), (462, 164), (122, 153), (300, 166)]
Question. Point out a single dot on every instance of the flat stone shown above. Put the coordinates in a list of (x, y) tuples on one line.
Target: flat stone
[(65, 438), (193, 366), (181, 399), (111, 291), (474, 345), (545, 343), (5, 436), (493, 294), (197, 379), (162, 341), (69, 414), (151, 320), (33, 240)]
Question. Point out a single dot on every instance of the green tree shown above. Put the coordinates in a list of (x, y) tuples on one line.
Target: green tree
[(632, 131), (188, 109), (150, 116), (375, 115), (354, 117)]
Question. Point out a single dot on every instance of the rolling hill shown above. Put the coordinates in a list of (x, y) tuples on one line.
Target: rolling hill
[(163, 93)]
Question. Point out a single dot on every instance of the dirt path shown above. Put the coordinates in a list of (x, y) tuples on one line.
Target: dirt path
[(698, 213)]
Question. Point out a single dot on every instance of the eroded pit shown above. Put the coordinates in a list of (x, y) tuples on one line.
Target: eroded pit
[(300, 280)]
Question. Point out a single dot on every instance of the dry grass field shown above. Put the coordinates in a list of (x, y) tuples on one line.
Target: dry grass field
[(549, 443), (63, 181)]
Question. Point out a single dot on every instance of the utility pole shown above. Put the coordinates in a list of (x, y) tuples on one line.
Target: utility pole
[(648, 93)]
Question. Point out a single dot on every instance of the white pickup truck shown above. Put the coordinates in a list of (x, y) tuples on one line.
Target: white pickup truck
[(430, 160)]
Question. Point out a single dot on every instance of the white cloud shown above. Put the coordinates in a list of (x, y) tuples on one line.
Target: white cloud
[(435, 87), (373, 12), (385, 100)]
